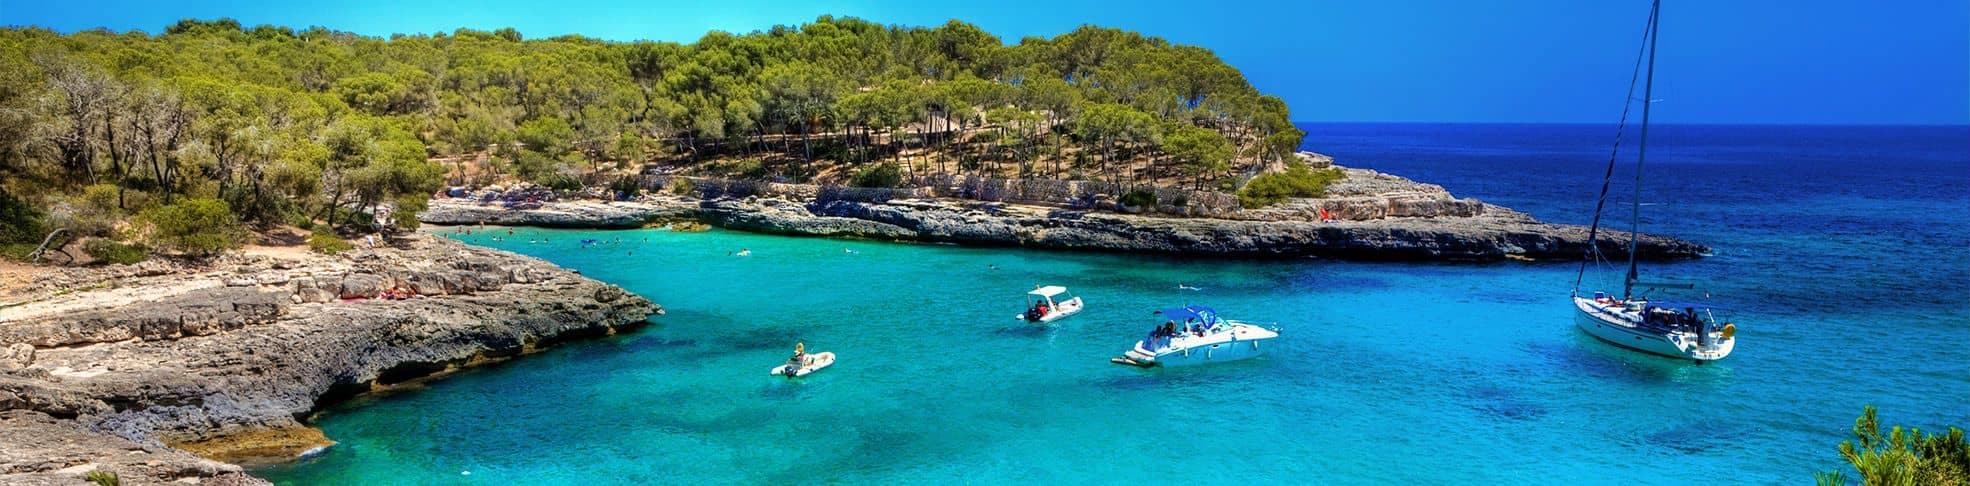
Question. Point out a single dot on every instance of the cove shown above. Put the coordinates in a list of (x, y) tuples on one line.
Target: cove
[(1385, 372)]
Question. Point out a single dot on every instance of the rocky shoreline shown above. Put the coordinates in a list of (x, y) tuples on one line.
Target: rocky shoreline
[(170, 371), (1371, 216)]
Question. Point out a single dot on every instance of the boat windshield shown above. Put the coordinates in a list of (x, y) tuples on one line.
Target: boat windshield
[(1192, 316)]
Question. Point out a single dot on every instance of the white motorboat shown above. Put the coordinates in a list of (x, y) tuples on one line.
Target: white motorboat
[(1676, 330), (1050, 303), (1196, 335), (805, 365)]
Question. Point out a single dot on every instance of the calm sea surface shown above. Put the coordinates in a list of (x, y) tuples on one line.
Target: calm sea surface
[(1842, 253)]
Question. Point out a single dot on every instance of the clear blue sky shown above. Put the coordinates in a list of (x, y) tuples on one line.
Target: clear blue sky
[(1722, 61)]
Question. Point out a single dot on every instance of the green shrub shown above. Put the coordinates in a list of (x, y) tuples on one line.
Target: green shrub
[(102, 478), (100, 197), (1138, 197), (885, 174), (404, 212), (20, 222), (1902, 457), (683, 187), (93, 212), (746, 169), (195, 226), (1296, 181), (347, 217), (625, 187), (108, 251), (16, 251), (326, 242), (559, 182)]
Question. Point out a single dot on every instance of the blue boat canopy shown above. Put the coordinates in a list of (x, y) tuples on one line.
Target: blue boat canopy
[(1201, 313)]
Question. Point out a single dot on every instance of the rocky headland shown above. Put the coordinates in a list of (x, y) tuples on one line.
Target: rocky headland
[(1369, 216), (173, 371)]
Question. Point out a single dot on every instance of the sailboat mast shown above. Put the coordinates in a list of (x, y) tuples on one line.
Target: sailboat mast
[(1641, 153)]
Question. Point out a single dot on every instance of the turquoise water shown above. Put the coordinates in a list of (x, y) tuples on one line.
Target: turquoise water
[(1385, 373)]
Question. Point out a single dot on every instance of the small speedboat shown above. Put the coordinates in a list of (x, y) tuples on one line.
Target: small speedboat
[(1050, 303), (808, 365), (1195, 335)]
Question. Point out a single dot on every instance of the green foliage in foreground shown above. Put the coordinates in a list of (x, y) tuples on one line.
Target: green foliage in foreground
[(885, 174), (194, 226), (1297, 181), (326, 242), (113, 252), (102, 478), (1902, 458), (20, 223)]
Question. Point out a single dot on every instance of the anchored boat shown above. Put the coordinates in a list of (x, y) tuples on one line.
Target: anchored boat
[(802, 363), (1050, 303), (1677, 330), (1196, 335)]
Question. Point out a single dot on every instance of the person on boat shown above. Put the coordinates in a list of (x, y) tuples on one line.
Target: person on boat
[(799, 359), (1040, 307)]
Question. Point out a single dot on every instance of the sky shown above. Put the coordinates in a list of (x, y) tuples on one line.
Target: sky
[(1515, 61)]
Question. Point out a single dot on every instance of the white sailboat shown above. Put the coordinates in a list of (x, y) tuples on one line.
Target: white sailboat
[(1678, 330)]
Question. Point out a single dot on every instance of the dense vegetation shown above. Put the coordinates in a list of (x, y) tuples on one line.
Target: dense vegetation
[(280, 126), (1902, 457), (1298, 180)]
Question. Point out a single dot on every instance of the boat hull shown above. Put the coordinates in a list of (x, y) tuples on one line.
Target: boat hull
[(1065, 309), (1212, 353), (816, 362), (1612, 328), (1244, 341)]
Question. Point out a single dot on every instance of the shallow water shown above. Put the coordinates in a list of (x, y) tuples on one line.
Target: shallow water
[(1845, 294)]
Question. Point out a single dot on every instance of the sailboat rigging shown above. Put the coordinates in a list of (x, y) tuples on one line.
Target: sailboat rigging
[(1635, 322)]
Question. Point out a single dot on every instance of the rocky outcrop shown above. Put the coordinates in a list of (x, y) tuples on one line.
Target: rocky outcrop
[(1368, 216), (1496, 235), (38, 449), (565, 214), (224, 357)]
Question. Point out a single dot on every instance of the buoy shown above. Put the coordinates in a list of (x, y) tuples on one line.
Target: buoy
[(1729, 330)]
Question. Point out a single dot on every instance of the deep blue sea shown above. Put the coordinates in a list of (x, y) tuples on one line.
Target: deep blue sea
[(1842, 253)]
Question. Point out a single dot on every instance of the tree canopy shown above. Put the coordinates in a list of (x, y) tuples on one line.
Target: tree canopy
[(283, 124)]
